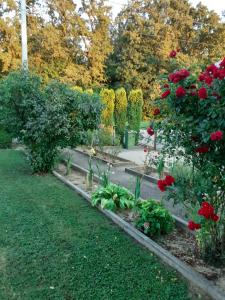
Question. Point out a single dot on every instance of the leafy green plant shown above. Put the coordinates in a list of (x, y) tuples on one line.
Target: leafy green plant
[(46, 118), (153, 218), (113, 197)]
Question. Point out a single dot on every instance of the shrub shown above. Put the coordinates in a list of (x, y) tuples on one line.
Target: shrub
[(5, 139), (113, 197), (46, 117), (108, 100), (120, 112), (134, 111), (153, 218), (193, 122)]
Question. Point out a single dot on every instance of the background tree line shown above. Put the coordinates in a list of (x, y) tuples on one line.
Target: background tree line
[(84, 46)]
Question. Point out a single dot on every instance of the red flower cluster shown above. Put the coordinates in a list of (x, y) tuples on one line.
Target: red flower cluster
[(163, 183), (203, 149), (193, 226), (202, 93), (165, 94), (212, 72), (173, 54), (150, 131), (180, 91), (207, 211), (179, 75), (216, 136), (156, 112)]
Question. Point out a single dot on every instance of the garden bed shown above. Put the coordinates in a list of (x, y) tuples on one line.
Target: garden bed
[(105, 157), (176, 249), (140, 171)]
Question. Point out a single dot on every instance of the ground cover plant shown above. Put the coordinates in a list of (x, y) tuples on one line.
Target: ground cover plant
[(55, 246)]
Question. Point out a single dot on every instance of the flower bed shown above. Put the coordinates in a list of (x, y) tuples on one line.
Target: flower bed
[(180, 244)]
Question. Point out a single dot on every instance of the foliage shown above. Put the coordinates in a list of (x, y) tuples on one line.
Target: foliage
[(108, 99), (77, 89), (69, 42), (46, 117), (113, 197), (134, 110), (193, 127), (5, 139), (120, 112), (70, 236), (153, 218), (146, 31)]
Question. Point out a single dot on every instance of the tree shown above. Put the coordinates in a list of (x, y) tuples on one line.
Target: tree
[(108, 100), (150, 30), (120, 111), (134, 110)]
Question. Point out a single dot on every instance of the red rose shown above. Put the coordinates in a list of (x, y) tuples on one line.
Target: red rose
[(161, 185), (156, 112), (203, 149), (201, 77), (192, 86), (145, 149), (180, 92), (206, 210), (193, 226), (215, 218), (202, 93), (211, 69), (179, 75), (173, 54), (150, 131), (216, 136), (208, 80), (165, 94), (169, 180)]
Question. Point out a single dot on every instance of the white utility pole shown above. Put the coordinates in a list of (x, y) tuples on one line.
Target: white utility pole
[(24, 34)]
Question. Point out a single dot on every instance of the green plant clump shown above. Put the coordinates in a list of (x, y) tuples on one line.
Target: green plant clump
[(113, 197), (153, 218)]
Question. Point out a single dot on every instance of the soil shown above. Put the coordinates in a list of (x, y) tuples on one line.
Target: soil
[(180, 242)]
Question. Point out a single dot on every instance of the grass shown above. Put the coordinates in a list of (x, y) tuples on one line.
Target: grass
[(53, 245)]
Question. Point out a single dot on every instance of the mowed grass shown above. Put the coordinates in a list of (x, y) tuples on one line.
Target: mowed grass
[(54, 245)]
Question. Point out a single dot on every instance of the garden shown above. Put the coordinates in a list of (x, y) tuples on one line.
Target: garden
[(111, 157)]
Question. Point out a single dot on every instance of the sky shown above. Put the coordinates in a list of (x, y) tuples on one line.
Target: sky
[(217, 5)]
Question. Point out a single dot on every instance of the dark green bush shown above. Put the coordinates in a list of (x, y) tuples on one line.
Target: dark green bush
[(153, 218), (5, 139), (46, 118)]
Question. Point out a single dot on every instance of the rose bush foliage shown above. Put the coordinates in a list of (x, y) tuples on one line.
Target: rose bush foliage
[(192, 113)]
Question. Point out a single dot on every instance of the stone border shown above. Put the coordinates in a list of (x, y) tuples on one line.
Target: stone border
[(132, 171), (196, 280), (124, 162)]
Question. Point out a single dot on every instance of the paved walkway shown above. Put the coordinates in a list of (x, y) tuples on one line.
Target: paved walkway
[(118, 176)]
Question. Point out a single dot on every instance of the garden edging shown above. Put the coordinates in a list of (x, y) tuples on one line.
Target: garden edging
[(195, 279)]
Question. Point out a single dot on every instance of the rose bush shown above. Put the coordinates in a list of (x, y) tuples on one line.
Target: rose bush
[(193, 126)]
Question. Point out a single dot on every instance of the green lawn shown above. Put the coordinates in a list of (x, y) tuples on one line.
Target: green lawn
[(53, 245)]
